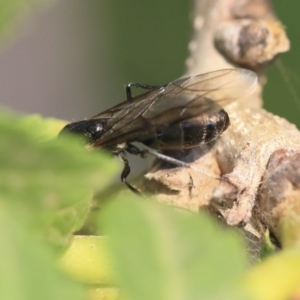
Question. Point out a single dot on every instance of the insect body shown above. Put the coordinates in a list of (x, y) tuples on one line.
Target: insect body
[(179, 115)]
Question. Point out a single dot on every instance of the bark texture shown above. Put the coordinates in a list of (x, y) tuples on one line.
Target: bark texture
[(258, 156)]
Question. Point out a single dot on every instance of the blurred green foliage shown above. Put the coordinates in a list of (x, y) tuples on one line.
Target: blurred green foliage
[(151, 38), (162, 253), (28, 268), (145, 41), (46, 191), (282, 92), (48, 184)]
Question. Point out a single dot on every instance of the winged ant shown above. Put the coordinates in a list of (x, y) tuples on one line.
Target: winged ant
[(182, 114)]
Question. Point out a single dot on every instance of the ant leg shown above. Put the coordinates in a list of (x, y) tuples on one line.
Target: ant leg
[(180, 163), (125, 173), (143, 153), (131, 149), (140, 86)]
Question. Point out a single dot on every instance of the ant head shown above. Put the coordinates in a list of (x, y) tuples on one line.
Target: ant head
[(90, 130)]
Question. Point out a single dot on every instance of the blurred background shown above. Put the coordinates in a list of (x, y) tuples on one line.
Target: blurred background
[(70, 59)]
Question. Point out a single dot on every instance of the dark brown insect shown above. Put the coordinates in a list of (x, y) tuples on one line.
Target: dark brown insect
[(179, 115)]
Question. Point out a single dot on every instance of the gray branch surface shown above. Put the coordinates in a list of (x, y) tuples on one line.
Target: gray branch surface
[(258, 156)]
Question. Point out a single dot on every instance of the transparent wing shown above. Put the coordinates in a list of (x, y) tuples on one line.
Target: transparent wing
[(182, 99), (221, 86), (122, 114)]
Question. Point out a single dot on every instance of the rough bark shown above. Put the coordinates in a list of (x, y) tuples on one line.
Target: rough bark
[(258, 154)]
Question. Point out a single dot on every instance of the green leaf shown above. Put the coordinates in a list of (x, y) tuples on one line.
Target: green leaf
[(28, 270), (48, 184), (40, 129), (276, 278), (161, 253)]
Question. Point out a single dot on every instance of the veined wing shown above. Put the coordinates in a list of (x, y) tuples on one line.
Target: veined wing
[(123, 113), (222, 86), (182, 99)]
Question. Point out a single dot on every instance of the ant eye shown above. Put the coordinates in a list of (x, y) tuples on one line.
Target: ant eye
[(94, 128)]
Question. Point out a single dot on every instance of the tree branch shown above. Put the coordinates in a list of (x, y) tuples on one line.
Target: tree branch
[(256, 156)]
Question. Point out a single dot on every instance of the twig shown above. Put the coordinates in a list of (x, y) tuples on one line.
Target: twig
[(253, 192)]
